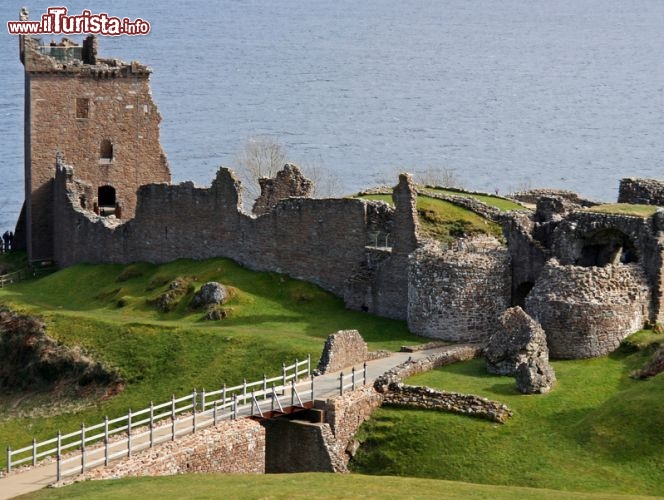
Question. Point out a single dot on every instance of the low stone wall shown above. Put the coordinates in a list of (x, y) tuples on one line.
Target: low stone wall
[(453, 354), (401, 395), (641, 191), (230, 447)]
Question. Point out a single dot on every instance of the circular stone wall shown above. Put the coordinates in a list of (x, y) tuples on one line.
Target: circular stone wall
[(587, 311), (458, 294)]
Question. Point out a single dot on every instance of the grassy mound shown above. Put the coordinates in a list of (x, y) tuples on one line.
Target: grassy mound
[(624, 209), (494, 201), (108, 310), (444, 221), (598, 430)]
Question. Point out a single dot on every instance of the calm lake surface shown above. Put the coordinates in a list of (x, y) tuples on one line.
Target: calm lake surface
[(507, 94)]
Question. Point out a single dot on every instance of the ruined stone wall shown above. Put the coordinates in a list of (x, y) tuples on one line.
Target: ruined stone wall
[(343, 348), (532, 195), (457, 294), (70, 109), (588, 311), (425, 398), (289, 182), (321, 241), (641, 191), (642, 236), (236, 446)]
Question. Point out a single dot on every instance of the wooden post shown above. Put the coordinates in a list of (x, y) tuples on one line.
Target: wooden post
[(151, 424), (244, 391), (264, 386), (341, 384), (283, 375), (234, 406), (173, 418), (365, 373), (292, 393), (296, 362), (193, 410), (59, 456), (353, 378), (312, 388), (309, 364), (82, 448), (129, 433), (106, 440), (214, 413), (274, 395), (34, 451), (252, 402), (203, 400), (9, 459), (223, 395)]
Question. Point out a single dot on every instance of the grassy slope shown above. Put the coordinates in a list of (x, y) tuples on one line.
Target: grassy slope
[(271, 319), (445, 221), (288, 486), (598, 430), (494, 201), (625, 209)]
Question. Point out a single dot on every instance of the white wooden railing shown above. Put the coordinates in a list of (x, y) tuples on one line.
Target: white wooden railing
[(91, 446)]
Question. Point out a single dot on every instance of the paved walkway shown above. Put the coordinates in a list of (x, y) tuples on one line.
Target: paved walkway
[(25, 481)]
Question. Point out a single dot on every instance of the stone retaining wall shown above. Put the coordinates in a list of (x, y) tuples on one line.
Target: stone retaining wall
[(401, 395), (231, 447)]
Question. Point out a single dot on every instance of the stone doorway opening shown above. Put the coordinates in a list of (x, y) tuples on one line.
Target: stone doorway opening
[(106, 200), (607, 246)]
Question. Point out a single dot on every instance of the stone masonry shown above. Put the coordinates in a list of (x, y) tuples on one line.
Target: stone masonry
[(288, 182), (234, 446), (343, 348), (97, 113), (641, 191), (588, 311), (457, 293)]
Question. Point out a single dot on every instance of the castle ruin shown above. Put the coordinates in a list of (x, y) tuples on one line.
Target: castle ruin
[(98, 190)]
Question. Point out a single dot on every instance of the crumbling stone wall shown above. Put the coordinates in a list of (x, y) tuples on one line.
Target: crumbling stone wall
[(343, 348), (532, 195), (457, 293), (233, 446), (619, 238), (71, 107), (409, 396), (588, 311), (289, 182), (641, 191)]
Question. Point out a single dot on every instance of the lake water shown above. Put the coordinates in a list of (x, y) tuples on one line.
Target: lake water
[(506, 93)]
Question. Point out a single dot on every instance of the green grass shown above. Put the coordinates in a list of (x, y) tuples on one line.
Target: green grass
[(625, 209), (287, 486), (494, 201), (13, 261), (271, 319), (444, 221), (597, 431)]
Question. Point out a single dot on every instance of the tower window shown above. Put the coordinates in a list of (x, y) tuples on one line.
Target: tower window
[(106, 151), (82, 107)]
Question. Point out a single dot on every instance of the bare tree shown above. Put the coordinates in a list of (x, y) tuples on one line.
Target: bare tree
[(327, 184), (262, 156), (441, 176)]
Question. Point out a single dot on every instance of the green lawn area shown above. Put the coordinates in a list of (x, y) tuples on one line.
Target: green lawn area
[(444, 221), (597, 431), (625, 209), (494, 201), (288, 486), (104, 308)]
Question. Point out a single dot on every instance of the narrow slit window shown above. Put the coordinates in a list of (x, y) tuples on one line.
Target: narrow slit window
[(82, 107)]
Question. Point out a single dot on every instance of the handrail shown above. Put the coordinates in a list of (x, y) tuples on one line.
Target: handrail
[(194, 407)]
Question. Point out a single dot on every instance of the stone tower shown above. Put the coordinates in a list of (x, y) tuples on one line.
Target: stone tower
[(99, 116)]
